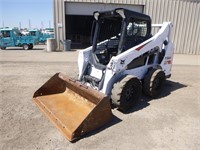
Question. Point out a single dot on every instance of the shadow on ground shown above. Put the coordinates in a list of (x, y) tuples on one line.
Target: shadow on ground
[(170, 86), (114, 121)]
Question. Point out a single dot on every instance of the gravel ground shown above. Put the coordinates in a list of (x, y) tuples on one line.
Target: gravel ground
[(171, 122)]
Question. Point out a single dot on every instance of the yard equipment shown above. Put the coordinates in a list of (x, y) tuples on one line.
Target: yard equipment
[(124, 60), (39, 36), (13, 38)]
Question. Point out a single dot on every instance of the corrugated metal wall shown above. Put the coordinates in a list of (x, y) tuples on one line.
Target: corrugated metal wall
[(184, 14), (138, 2), (59, 18)]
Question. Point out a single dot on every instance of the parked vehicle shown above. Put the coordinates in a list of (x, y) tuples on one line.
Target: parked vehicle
[(38, 35), (49, 31), (13, 38)]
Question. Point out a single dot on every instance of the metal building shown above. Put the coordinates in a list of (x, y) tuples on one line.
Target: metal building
[(73, 19)]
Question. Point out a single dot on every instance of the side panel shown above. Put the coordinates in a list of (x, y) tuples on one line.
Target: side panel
[(83, 59), (118, 66), (166, 64)]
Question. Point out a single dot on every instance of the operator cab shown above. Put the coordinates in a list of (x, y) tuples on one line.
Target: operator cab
[(117, 31)]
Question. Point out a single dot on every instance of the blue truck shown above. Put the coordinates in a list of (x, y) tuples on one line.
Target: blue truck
[(10, 37), (38, 35)]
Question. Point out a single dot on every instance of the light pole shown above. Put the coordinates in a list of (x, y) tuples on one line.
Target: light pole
[(29, 22)]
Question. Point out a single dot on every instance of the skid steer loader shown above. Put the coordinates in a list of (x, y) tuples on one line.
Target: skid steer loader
[(124, 60)]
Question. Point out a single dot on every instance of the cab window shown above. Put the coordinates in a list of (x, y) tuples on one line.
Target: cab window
[(136, 33), (33, 33), (137, 28), (6, 33)]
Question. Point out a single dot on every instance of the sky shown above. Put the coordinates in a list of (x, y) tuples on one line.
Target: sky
[(15, 12)]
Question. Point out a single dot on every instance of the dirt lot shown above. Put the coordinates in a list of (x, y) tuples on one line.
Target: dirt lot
[(170, 122)]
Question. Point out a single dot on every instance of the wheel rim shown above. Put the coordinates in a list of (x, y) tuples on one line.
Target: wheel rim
[(132, 92), (129, 93), (157, 83), (126, 93), (25, 47)]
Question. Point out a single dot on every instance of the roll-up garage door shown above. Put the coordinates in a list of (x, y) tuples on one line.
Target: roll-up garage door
[(78, 17)]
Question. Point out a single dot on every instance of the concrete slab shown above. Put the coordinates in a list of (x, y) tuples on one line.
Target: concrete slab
[(170, 122)]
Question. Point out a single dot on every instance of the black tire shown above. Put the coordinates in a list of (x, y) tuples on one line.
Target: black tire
[(126, 93), (30, 46), (25, 46), (153, 83), (3, 48)]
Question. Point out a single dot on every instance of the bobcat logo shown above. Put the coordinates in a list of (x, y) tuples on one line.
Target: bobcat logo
[(122, 62)]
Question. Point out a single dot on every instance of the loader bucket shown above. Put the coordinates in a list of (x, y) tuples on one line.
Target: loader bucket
[(74, 108)]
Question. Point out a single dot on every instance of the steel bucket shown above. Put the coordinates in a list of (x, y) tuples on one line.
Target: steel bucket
[(74, 108)]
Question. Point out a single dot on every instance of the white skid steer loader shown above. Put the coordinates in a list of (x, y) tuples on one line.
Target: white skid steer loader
[(124, 60)]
